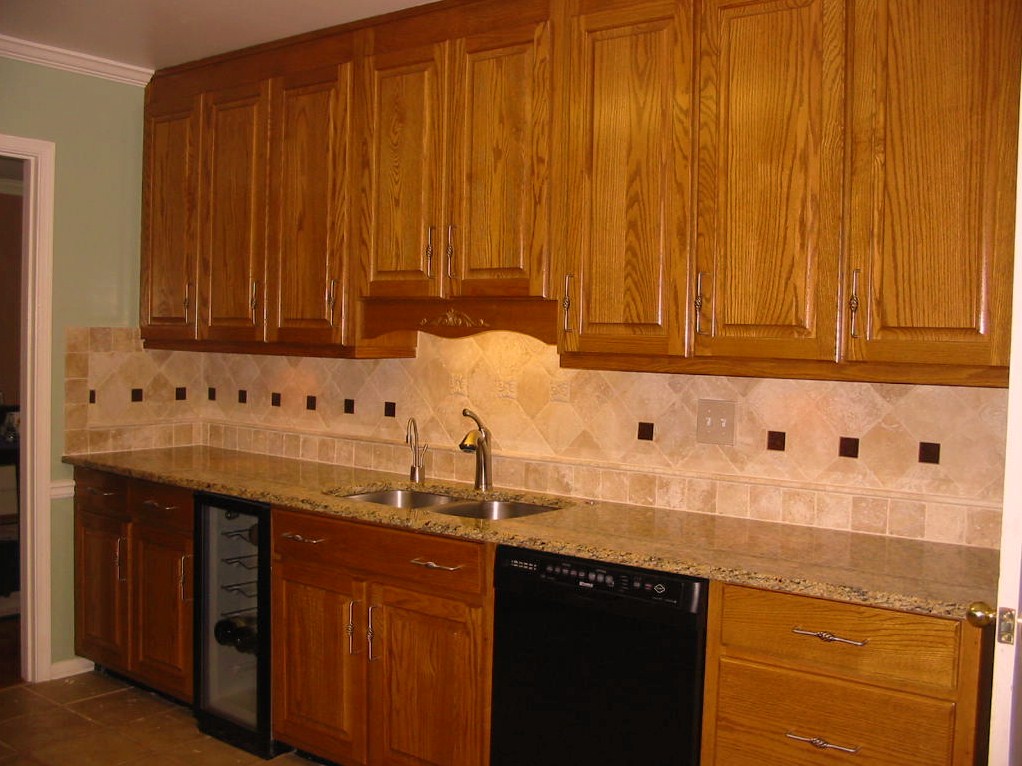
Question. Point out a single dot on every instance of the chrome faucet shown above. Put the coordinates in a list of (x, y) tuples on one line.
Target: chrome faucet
[(478, 441), (418, 455)]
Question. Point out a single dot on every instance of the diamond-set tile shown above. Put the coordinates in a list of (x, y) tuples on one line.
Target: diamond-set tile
[(570, 429)]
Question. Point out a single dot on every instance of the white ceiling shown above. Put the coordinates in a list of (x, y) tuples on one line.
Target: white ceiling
[(153, 34)]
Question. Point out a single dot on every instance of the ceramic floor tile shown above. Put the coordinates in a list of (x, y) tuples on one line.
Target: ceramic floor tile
[(122, 706), (30, 732), (212, 752), (102, 747), (162, 731), (18, 700), (75, 688)]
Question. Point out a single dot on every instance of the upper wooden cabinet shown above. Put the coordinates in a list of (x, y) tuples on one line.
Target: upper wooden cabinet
[(934, 105), (247, 206), (455, 125), (770, 177), (627, 178)]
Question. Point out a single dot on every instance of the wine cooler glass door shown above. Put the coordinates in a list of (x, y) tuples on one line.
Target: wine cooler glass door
[(230, 632)]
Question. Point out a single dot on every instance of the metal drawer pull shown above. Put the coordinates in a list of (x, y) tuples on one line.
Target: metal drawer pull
[(566, 303), (349, 629), (153, 504), (370, 633), (100, 493), (300, 539), (434, 565), (828, 637), (821, 744)]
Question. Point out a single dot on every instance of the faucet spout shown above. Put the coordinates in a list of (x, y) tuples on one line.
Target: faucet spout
[(418, 455), (478, 441)]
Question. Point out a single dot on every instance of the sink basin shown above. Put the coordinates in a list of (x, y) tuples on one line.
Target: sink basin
[(494, 510), (402, 498)]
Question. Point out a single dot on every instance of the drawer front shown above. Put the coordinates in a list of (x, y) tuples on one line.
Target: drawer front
[(889, 647), (101, 492), (761, 711), (430, 561), (162, 506)]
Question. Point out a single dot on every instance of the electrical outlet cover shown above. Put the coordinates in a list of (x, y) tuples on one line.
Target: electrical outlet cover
[(715, 422)]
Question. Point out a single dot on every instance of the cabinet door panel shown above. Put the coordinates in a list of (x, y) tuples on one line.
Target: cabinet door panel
[(232, 206), (401, 215), (162, 610), (428, 690), (501, 130), (628, 185), (318, 668), (310, 119), (102, 575), (769, 210), (168, 238), (934, 121)]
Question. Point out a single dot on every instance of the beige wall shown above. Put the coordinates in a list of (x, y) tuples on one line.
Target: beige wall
[(571, 431)]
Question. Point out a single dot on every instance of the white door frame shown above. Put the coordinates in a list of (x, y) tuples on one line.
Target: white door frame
[(36, 367)]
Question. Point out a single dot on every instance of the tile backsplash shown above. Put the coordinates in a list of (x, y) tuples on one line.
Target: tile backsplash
[(922, 462)]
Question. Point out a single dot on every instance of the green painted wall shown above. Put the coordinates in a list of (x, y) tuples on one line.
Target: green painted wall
[(96, 125)]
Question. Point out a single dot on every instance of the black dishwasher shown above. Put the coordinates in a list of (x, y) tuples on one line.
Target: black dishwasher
[(595, 664)]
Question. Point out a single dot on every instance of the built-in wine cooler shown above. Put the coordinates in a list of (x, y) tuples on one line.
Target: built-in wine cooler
[(232, 622)]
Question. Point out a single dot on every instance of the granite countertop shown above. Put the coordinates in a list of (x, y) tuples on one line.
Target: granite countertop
[(911, 575)]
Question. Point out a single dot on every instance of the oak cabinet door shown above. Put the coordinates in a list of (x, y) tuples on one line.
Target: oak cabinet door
[(319, 656), (232, 213), (169, 256), (933, 140), (628, 197), (307, 219), (427, 675), (401, 237), (771, 76), (162, 610), (102, 575), (498, 226)]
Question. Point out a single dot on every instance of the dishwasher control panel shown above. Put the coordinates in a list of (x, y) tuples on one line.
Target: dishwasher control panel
[(586, 575)]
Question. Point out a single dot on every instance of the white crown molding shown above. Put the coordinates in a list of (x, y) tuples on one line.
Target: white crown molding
[(81, 63)]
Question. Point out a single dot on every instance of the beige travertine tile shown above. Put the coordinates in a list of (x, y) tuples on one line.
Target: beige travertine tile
[(732, 499), (833, 510), (798, 506), (701, 495), (982, 527), (945, 523), (907, 518), (869, 514)]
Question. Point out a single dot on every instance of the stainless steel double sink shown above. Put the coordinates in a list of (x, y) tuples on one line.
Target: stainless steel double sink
[(494, 510)]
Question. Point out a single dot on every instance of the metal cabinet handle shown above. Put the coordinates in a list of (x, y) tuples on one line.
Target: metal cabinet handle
[(434, 565), (698, 303), (253, 301), (331, 299), (99, 492), (117, 559), (429, 252), (370, 633), (828, 637), (566, 303), (349, 629), (181, 579), (187, 300), (450, 252), (853, 305), (301, 539), (157, 506), (822, 744)]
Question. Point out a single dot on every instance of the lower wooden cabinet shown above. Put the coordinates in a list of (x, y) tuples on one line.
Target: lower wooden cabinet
[(793, 680), (381, 643), (133, 579)]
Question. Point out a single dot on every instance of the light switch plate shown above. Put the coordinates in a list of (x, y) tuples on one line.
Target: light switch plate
[(715, 422)]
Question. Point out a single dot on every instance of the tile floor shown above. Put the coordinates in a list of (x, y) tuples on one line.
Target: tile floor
[(94, 720)]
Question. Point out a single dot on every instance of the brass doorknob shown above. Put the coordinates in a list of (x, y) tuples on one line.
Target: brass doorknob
[(981, 614)]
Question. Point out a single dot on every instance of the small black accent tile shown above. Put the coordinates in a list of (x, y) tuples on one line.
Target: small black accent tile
[(242, 396), (274, 399), (211, 394), (848, 446), (645, 432), (929, 452), (776, 440), (389, 410), (180, 394), (92, 396), (136, 394), (349, 406), (310, 402)]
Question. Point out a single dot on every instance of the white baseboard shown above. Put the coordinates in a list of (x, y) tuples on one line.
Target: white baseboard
[(73, 667)]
